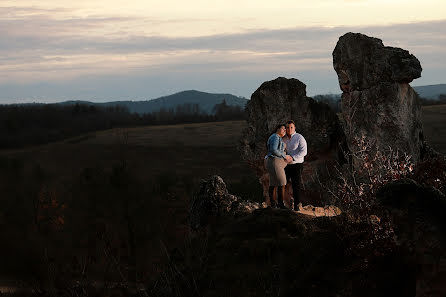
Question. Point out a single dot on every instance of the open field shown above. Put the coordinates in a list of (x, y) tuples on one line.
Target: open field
[(434, 124), (125, 188), (194, 151)]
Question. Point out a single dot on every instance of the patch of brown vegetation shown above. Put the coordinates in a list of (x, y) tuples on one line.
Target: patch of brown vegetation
[(434, 126)]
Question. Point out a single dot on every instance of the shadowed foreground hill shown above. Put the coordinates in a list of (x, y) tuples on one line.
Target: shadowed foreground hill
[(113, 200), (274, 252)]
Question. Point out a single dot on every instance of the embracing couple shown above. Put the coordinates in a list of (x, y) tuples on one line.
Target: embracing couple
[(284, 163)]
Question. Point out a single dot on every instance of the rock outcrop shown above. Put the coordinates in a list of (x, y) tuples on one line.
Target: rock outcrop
[(274, 252), (377, 100), (278, 101), (213, 200)]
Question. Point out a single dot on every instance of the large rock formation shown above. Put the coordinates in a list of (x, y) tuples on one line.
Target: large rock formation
[(278, 101), (377, 100)]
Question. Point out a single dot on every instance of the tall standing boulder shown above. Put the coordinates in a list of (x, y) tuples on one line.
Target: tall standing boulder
[(278, 101), (377, 101)]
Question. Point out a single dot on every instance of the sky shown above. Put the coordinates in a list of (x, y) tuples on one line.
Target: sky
[(107, 50)]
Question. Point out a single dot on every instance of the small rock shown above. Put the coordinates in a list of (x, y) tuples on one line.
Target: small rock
[(375, 220), (315, 211)]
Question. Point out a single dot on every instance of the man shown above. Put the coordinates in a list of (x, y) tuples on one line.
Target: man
[(296, 147)]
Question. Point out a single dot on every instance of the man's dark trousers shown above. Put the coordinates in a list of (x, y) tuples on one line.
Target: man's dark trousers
[(294, 172)]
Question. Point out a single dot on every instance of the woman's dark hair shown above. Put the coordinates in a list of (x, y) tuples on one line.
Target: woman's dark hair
[(277, 128)]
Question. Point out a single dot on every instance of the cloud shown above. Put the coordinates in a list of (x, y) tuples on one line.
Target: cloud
[(59, 53), (14, 12)]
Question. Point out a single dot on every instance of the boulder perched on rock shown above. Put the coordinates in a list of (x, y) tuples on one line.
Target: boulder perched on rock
[(278, 101), (362, 62), (377, 100)]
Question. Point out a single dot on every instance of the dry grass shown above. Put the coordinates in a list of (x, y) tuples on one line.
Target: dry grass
[(167, 160), (197, 150), (434, 124)]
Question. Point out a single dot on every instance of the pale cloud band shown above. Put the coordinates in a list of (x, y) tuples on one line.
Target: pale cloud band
[(45, 58)]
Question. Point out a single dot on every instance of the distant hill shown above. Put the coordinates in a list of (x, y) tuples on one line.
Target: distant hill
[(206, 102), (431, 91)]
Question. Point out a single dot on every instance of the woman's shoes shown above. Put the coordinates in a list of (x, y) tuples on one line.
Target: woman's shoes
[(281, 206)]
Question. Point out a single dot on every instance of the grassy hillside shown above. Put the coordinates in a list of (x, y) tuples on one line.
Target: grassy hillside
[(434, 124), (197, 150), (117, 198)]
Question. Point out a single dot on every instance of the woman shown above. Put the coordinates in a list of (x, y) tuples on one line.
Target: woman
[(275, 162)]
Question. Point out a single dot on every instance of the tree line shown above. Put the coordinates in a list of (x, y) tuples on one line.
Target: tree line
[(31, 124), (441, 100)]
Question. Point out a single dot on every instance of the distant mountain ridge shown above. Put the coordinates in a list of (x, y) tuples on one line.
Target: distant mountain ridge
[(206, 102), (431, 91)]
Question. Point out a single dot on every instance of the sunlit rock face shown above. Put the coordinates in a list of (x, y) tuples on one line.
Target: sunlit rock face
[(377, 100), (278, 101)]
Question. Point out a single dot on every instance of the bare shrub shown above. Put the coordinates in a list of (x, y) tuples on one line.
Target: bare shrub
[(432, 172), (368, 168)]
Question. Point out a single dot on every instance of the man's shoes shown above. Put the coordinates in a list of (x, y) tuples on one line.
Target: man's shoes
[(281, 206), (273, 203), (298, 206)]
